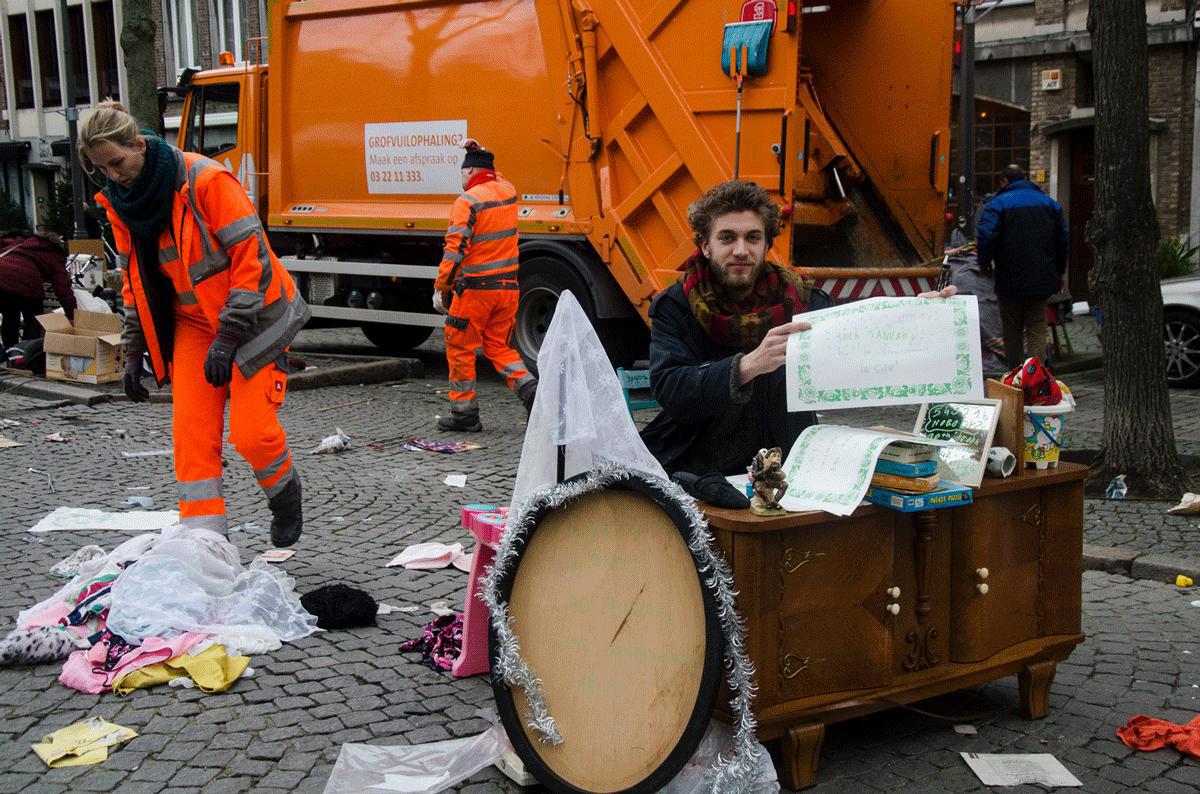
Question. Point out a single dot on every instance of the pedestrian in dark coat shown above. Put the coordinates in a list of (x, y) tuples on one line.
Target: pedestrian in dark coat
[(27, 261), (1023, 240)]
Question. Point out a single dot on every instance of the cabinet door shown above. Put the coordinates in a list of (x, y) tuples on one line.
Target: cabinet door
[(994, 574), (835, 630)]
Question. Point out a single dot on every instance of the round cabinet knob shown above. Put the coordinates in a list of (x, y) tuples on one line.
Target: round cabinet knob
[(982, 588), (982, 573), (893, 609), (894, 592)]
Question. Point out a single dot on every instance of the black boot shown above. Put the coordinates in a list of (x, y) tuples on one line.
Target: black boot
[(526, 392), (461, 422), (287, 514)]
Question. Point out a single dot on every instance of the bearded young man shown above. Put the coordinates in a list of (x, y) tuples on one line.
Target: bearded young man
[(718, 341)]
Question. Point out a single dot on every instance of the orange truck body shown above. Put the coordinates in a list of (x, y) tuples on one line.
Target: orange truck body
[(610, 117)]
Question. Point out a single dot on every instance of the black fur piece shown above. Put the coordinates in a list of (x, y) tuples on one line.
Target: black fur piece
[(339, 606)]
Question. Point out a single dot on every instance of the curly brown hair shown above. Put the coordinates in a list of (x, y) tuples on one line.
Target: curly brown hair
[(733, 196)]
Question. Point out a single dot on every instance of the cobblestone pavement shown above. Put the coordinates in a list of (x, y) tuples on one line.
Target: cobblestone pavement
[(282, 729)]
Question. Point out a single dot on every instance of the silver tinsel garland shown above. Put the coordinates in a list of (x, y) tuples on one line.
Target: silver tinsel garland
[(733, 773)]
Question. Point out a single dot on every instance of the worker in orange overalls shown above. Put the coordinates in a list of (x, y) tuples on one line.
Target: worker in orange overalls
[(479, 264), (208, 300)]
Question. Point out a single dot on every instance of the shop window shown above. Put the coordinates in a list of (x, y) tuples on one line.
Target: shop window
[(232, 25), (79, 63), (22, 65), (104, 34), (184, 34), (47, 42)]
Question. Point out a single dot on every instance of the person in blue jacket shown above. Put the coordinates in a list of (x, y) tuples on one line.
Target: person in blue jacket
[(1023, 240)]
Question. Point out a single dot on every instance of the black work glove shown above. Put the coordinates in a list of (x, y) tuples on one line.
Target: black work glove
[(132, 380), (218, 364)]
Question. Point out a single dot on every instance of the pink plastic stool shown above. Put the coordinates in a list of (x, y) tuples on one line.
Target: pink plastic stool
[(487, 527)]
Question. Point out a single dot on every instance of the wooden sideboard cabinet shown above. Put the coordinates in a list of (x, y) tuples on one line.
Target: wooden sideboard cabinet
[(847, 616)]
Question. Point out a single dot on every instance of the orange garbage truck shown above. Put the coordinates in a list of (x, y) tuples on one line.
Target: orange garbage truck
[(610, 117)]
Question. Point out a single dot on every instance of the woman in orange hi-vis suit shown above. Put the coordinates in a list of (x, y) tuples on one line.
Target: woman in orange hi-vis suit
[(479, 263), (210, 303)]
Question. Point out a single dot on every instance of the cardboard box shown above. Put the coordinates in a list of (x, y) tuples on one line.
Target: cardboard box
[(88, 352)]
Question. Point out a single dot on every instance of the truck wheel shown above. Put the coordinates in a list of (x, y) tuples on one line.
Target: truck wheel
[(542, 280), (396, 338)]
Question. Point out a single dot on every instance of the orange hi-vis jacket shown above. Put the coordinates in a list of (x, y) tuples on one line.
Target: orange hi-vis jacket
[(481, 243), (216, 255)]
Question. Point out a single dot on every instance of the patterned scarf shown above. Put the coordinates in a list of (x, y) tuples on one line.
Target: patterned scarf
[(145, 206), (777, 296)]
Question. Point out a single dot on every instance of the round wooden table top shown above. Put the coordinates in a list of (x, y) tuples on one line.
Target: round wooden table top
[(610, 615)]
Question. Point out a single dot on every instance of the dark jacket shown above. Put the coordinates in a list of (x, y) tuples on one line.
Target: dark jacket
[(27, 262), (691, 376), (1023, 239)]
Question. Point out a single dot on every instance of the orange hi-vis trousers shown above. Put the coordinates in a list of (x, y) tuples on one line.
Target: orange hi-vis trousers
[(199, 424), (481, 318)]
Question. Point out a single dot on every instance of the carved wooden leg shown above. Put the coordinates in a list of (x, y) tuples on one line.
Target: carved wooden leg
[(801, 754), (1034, 685)]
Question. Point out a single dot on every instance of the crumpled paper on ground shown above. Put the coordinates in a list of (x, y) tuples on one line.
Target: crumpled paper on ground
[(1190, 503), (330, 444), (82, 744)]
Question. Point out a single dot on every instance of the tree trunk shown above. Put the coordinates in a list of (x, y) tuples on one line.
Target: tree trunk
[(1139, 438), (137, 40)]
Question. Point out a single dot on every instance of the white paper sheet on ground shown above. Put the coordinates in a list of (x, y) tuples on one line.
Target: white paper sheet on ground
[(830, 466), (1002, 769), (8, 442), (456, 480), (886, 351), (76, 519)]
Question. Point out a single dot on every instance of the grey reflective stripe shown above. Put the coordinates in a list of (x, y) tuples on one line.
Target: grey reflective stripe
[(459, 230), (483, 238), (458, 323), (188, 299), (199, 490), (209, 265), (462, 385), (264, 261), (513, 368), (168, 254), (275, 489), (123, 261), (480, 206), (272, 468), (242, 229), (521, 381), (275, 327), (454, 257), (217, 522), (484, 266), (244, 299)]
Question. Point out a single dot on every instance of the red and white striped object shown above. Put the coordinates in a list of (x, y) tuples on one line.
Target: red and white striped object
[(851, 289)]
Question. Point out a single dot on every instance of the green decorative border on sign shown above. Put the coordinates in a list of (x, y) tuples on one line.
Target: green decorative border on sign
[(960, 385), (852, 489)]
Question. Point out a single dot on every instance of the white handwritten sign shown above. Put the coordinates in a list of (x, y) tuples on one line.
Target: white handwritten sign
[(886, 351), (415, 156)]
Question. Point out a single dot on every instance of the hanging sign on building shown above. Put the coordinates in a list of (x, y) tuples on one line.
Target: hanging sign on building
[(1052, 79)]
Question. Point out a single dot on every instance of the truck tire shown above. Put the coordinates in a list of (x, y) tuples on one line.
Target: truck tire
[(396, 338), (543, 279)]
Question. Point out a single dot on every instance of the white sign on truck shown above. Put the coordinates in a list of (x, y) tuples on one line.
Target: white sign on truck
[(415, 156)]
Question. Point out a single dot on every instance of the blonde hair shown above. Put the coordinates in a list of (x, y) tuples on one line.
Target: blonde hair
[(109, 122)]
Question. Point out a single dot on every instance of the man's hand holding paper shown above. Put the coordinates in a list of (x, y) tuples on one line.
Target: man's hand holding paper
[(771, 353)]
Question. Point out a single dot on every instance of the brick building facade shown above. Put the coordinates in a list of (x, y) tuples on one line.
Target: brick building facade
[(1037, 55)]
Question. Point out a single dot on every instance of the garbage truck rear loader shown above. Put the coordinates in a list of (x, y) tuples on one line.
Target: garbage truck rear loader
[(610, 117)]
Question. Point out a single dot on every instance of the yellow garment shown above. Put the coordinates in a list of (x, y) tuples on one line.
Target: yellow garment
[(82, 744), (211, 669)]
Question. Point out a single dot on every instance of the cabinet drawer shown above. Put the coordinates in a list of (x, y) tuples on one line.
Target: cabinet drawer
[(994, 574), (835, 630)]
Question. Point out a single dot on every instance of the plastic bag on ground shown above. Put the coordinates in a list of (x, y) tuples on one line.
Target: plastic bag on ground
[(579, 404), (718, 740), (415, 769), (192, 580)]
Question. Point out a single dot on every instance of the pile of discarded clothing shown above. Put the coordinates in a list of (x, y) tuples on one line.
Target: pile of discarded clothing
[(159, 607)]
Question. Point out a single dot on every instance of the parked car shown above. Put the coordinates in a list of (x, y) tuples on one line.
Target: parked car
[(1181, 313)]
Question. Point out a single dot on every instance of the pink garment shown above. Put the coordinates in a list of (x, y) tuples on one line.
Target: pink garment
[(430, 556), (53, 616), (81, 671)]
